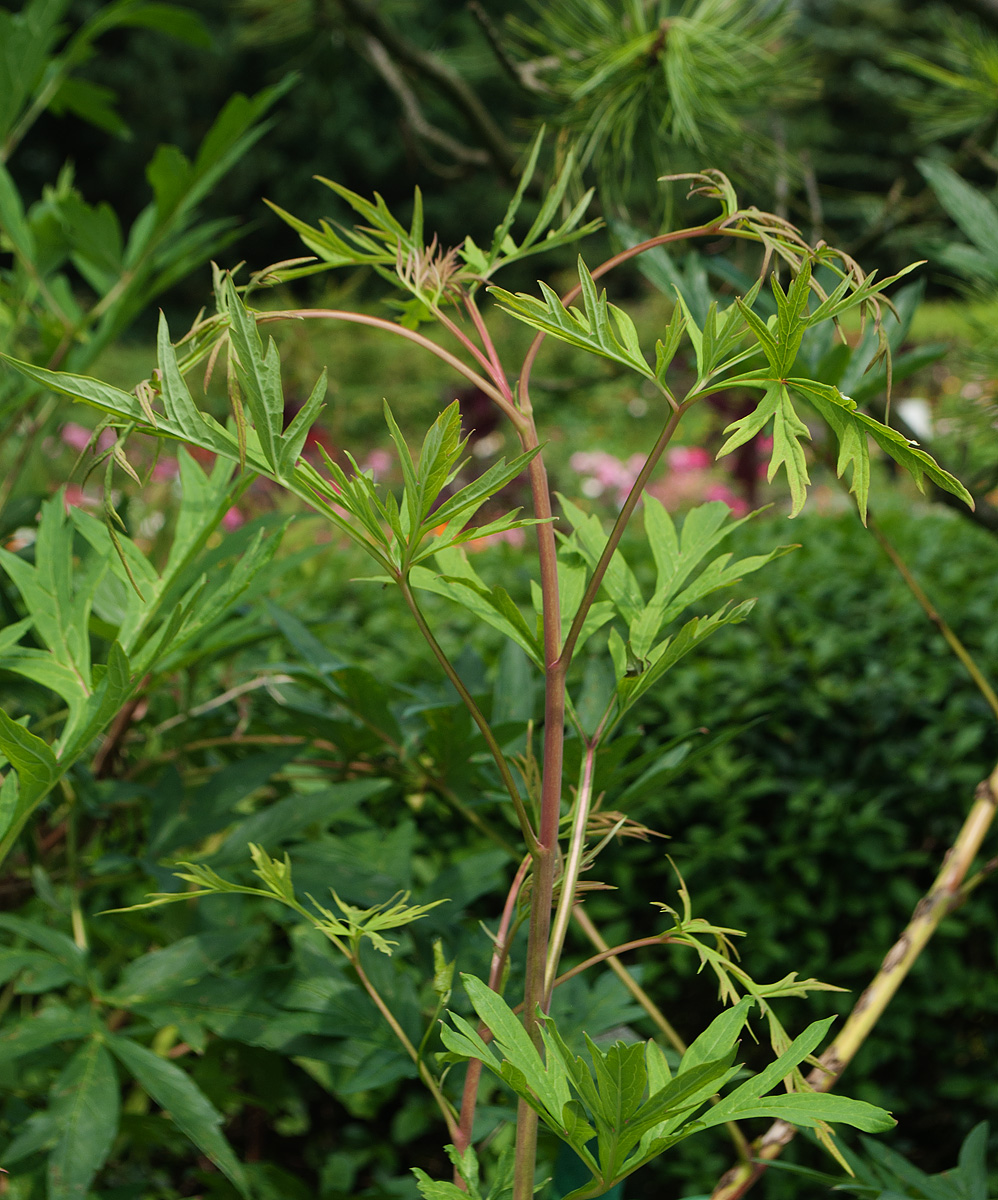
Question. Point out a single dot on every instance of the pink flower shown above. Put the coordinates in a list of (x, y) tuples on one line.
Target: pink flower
[(166, 468), (378, 462), (717, 491), (76, 436), (75, 497), (233, 519), (688, 458), (605, 471)]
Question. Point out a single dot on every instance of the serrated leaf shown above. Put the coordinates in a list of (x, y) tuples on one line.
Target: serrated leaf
[(34, 762), (85, 1103), (293, 438), (591, 330), (47, 1027), (259, 376), (619, 581), (177, 1094), (463, 585), (548, 1083), (787, 450)]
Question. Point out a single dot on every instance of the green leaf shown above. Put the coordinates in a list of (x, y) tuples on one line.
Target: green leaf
[(975, 215), (787, 429), (619, 582), (746, 428), (669, 652), (61, 947), (177, 1094), (462, 584), (808, 1109), (973, 1162), (293, 438), (731, 1106), (12, 219), (85, 1104), (35, 764), (592, 330), (548, 1083), (462, 506), (46, 1027), (259, 376)]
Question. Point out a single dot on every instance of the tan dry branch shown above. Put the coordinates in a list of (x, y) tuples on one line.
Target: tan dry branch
[(947, 893)]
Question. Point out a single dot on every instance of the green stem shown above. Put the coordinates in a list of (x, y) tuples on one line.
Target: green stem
[(445, 1106), (613, 541), (954, 643), (573, 865), (476, 713)]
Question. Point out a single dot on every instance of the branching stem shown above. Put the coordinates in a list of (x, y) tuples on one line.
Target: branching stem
[(476, 713)]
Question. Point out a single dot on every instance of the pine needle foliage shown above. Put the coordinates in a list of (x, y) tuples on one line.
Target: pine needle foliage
[(678, 81)]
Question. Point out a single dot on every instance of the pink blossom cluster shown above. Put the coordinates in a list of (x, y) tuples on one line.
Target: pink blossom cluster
[(689, 479)]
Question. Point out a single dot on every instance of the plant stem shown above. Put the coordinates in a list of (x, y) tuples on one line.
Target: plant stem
[(573, 865), (545, 852), (954, 643), (476, 713), (584, 922), (500, 953), (613, 541), (335, 314), (945, 894), (446, 1108)]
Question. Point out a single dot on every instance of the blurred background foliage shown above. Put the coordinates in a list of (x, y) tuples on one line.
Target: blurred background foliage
[(815, 107), (812, 769)]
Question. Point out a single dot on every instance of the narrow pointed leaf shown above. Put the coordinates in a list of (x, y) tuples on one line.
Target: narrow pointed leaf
[(176, 1093)]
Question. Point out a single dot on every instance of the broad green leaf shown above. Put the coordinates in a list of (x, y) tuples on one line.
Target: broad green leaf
[(58, 944), (35, 764), (85, 1103), (687, 1091), (752, 1089), (975, 215), (720, 1036), (177, 1094), (46, 1027), (463, 585), (808, 1109), (184, 961), (973, 1162), (619, 581), (548, 1083)]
